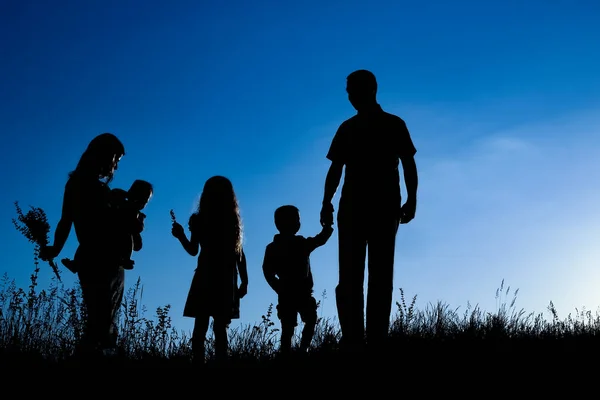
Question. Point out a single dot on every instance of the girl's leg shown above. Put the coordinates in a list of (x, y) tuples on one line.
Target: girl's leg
[(199, 337), (220, 329)]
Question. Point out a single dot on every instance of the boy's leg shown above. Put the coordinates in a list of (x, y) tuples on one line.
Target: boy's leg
[(308, 313), (288, 318)]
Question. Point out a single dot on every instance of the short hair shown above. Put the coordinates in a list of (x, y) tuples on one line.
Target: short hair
[(284, 215), (362, 80), (141, 186)]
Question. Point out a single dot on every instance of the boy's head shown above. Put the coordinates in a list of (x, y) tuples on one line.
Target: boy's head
[(287, 219), (139, 193)]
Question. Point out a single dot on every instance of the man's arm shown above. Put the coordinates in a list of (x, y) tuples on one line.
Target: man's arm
[(411, 180), (332, 181), (337, 154)]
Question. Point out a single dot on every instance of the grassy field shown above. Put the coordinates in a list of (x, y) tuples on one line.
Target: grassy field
[(41, 327)]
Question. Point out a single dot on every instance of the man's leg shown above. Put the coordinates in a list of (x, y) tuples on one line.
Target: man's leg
[(350, 289), (381, 248)]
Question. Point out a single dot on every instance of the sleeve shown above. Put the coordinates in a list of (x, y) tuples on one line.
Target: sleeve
[(406, 148), (269, 269), (338, 149), (319, 240)]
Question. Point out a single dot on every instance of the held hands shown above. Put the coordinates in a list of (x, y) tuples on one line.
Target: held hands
[(407, 211), (327, 214), (327, 229)]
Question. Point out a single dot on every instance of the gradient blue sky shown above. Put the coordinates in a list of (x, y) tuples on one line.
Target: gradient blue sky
[(501, 98)]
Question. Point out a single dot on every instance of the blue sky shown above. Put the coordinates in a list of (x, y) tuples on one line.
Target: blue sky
[(500, 99)]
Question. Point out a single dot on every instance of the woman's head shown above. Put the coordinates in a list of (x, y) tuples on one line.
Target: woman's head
[(219, 209), (101, 157)]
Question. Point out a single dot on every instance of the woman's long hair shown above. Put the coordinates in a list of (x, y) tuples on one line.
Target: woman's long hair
[(218, 215), (98, 156)]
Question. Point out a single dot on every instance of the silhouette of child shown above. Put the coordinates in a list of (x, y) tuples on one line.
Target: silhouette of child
[(129, 219), (286, 267), (216, 230)]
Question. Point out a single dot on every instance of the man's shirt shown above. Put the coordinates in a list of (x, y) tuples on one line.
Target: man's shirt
[(370, 146)]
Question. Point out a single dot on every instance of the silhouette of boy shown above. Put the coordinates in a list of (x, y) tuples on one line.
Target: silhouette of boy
[(129, 218), (286, 267)]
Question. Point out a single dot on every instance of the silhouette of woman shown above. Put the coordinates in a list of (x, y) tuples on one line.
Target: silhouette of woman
[(216, 228), (86, 207)]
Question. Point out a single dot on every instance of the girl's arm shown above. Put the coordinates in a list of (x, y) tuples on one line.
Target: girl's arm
[(243, 270), (192, 246)]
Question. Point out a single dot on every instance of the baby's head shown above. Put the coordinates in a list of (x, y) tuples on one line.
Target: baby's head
[(139, 193), (287, 219)]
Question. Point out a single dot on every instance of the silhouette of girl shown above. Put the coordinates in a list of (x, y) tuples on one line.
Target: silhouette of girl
[(216, 228), (86, 207)]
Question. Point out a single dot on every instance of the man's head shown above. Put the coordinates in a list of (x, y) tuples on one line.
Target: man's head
[(139, 193), (287, 219), (361, 86)]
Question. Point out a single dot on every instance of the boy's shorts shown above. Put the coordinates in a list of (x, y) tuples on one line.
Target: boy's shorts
[(289, 308)]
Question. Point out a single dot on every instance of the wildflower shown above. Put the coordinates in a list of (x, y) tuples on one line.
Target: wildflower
[(35, 227)]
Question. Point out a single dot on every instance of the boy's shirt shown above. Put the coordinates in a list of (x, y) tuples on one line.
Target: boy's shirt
[(286, 265)]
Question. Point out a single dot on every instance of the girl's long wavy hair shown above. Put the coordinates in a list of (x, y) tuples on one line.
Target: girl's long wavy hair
[(98, 155), (218, 215)]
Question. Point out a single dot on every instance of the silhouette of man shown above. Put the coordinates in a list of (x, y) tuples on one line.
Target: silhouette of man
[(370, 145)]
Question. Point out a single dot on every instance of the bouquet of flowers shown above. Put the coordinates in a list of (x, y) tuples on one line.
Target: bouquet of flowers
[(35, 227)]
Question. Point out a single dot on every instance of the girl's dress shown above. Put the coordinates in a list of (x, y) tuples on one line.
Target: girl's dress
[(213, 291)]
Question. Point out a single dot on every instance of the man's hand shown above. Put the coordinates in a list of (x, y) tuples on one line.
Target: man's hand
[(407, 211), (327, 214)]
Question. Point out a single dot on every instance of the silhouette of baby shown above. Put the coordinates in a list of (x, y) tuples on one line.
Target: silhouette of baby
[(126, 207)]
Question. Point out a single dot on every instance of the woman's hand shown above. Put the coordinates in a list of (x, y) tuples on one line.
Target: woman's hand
[(48, 253), (177, 230)]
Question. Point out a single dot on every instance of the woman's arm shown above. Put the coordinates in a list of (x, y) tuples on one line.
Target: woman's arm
[(63, 228)]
